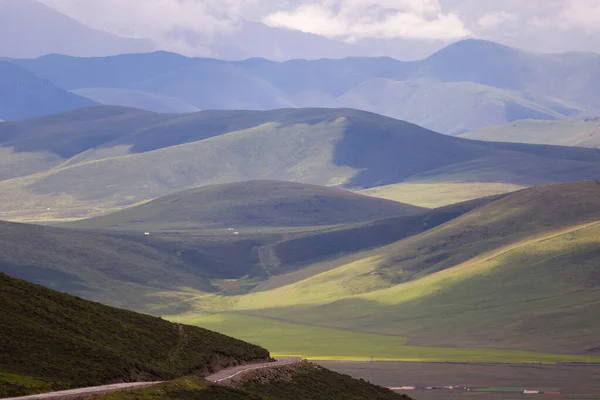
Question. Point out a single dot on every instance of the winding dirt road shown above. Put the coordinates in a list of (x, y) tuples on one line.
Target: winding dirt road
[(219, 377)]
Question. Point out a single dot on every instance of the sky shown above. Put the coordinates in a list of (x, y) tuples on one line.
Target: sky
[(542, 25)]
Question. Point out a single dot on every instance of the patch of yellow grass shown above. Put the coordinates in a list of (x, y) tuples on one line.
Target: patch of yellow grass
[(433, 195)]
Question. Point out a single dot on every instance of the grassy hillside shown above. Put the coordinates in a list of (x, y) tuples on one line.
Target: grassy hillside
[(330, 244), (518, 272), (127, 270), (486, 83), (250, 204), (150, 155), (24, 95), (64, 341), (306, 381), (584, 133)]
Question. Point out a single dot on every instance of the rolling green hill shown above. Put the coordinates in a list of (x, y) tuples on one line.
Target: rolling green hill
[(584, 133), (52, 340), (125, 156), (519, 272), (130, 269), (250, 204)]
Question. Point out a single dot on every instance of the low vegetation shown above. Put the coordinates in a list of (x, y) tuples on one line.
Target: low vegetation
[(53, 340)]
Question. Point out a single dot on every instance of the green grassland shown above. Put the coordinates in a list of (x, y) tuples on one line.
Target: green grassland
[(584, 133), (318, 343), (52, 337), (511, 273), (55, 171), (515, 273), (306, 381)]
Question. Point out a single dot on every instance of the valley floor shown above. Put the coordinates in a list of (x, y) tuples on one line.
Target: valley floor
[(320, 343)]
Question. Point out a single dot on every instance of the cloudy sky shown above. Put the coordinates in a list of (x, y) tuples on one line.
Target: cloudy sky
[(543, 25)]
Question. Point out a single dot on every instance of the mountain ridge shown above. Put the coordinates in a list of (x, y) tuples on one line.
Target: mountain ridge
[(542, 90)]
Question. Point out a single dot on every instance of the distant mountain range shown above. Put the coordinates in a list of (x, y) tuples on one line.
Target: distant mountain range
[(42, 30), (468, 85), (84, 162), (23, 95)]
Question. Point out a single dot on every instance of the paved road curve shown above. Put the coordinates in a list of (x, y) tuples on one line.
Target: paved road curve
[(220, 376), (83, 392), (230, 373)]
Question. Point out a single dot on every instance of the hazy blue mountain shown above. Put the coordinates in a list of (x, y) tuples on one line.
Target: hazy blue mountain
[(136, 99), (29, 28), (23, 95), (465, 86)]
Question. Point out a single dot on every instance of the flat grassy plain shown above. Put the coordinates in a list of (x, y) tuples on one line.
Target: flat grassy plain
[(318, 343), (573, 381)]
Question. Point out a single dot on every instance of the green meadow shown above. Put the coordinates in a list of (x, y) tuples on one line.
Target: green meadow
[(317, 343)]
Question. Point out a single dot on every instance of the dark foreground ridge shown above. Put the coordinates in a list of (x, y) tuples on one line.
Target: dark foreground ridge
[(52, 341), (300, 381)]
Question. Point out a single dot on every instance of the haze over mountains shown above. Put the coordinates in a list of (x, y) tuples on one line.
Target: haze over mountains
[(468, 85), (583, 133), (29, 28), (44, 30), (23, 95)]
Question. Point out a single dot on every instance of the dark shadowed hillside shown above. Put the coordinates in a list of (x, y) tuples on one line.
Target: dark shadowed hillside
[(297, 382)]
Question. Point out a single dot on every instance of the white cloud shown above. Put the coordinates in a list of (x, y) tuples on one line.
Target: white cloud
[(583, 14), (496, 19), (190, 26), (152, 18), (359, 19)]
